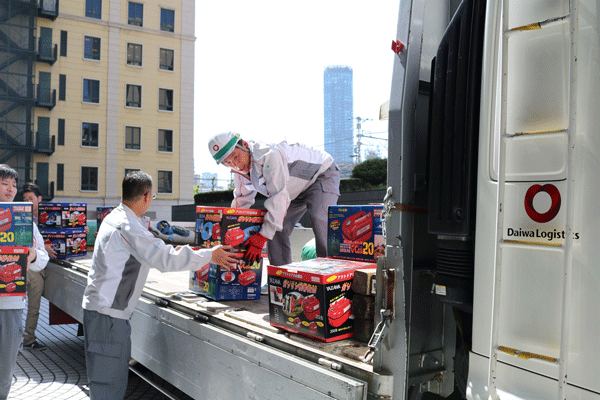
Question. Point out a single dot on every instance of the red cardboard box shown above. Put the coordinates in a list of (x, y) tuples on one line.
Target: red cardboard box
[(219, 284), (13, 271), (67, 242), (355, 232), (313, 297), (224, 225), (62, 215)]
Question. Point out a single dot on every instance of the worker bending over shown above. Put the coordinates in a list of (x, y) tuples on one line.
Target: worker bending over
[(295, 178), (124, 252)]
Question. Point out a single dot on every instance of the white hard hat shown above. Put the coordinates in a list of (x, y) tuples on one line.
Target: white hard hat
[(222, 144)]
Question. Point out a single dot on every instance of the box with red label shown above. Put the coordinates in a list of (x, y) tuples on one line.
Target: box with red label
[(230, 226), (62, 215), (101, 213), (215, 282), (66, 242), (16, 224), (355, 232), (13, 271), (313, 297)]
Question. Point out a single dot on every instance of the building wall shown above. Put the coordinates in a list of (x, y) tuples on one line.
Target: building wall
[(111, 114)]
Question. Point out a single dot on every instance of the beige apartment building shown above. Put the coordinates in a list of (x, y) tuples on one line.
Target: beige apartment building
[(113, 93)]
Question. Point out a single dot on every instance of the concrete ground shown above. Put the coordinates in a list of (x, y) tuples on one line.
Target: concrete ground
[(58, 372)]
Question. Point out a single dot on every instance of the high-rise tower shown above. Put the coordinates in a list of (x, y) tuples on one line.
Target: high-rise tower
[(339, 113)]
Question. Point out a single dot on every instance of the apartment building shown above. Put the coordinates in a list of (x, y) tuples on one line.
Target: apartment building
[(113, 93)]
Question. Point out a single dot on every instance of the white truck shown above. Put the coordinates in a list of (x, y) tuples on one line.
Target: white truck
[(486, 289)]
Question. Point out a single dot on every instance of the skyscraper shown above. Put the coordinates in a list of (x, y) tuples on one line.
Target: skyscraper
[(339, 113)]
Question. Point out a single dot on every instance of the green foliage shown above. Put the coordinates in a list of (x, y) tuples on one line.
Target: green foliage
[(372, 172)]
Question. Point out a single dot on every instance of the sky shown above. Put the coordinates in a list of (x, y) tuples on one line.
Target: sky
[(259, 68)]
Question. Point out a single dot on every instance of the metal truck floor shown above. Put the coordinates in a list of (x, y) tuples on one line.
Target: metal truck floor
[(58, 371)]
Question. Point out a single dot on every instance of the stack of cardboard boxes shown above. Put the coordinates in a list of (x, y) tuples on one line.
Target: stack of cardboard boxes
[(63, 224), (227, 226), (16, 236), (319, 298)]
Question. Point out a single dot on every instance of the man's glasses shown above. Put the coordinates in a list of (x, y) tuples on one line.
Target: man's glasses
[(153, 195)]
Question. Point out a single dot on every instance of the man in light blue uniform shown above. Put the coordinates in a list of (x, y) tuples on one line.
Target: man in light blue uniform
[(124, 252)]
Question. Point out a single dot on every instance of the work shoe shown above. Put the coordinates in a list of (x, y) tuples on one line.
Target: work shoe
[(35, 346)]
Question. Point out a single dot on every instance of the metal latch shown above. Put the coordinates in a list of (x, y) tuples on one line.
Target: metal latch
[(378, 335)]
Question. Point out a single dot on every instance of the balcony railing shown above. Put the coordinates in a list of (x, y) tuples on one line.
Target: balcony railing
[(46, 98), (44, 144), (48, 9), (47, 53)]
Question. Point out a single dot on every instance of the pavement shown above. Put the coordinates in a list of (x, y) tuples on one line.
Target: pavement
[(58, 371)]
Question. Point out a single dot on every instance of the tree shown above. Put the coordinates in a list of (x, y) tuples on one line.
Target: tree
[(373, 171)]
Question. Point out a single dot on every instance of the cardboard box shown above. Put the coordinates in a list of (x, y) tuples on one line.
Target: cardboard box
[(219, 284), (101, 213), (313, 297), (13, 271), (16, 224), (62, 215), (355, 232), (223, 225), (66, 242)]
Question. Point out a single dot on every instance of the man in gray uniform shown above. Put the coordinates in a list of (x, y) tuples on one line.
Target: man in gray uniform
[(124, 252), (295, 178)]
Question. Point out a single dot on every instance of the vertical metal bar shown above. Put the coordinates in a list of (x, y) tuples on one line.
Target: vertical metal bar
[(568, 244), (500, 207)]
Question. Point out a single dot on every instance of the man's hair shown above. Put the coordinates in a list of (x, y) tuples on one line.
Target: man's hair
[(8, 172), (30, 187), (135, 185)]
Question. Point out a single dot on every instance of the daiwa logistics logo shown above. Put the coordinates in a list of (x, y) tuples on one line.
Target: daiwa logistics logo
[(554, 207), (550, 233)]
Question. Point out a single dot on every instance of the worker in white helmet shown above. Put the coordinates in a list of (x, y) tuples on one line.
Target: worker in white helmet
[(295, 178)]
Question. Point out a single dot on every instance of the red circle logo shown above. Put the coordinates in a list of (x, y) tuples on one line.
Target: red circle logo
[(216, 147), (554, 207)]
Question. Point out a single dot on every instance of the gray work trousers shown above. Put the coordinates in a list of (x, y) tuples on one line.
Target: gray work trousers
[(107, 355), (315, 200), (35, 288), (11, 337)]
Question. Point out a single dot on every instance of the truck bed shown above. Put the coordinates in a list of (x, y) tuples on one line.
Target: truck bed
[(173, 329)]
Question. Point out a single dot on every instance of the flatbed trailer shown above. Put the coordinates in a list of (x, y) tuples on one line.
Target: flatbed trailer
[(226, 349)]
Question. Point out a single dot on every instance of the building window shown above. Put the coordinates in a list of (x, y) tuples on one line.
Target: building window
[(134, 96), (91, 91), (60, 176), (63, 43), (134, 54), (136, 14), (133, 137), (165, 99), (165, 182), (167, 20), (89, 134), (61, 132), (91, 48), (62, 87), (89, 179), (165, 140), (166, 59), (128, 170), (93, 9)]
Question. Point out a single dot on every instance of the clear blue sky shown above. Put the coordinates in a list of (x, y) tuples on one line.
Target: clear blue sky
[(259, 67)]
